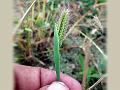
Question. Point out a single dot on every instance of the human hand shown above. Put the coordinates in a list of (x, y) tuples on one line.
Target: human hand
[(37, 78)]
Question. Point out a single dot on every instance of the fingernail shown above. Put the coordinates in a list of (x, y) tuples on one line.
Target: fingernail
[(57, 86)]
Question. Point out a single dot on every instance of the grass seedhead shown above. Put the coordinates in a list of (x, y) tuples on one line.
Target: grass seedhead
[(59, 31)]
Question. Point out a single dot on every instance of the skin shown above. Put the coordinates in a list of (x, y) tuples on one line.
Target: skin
[(37, 78)]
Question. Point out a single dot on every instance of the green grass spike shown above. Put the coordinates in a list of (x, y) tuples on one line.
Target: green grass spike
[(62, 26)]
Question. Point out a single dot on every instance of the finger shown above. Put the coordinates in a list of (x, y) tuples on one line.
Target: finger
[(48, 76), (29, 78), (70, 82), (26, 77)]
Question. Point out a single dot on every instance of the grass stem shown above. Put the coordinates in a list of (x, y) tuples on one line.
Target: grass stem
[(56, 54)]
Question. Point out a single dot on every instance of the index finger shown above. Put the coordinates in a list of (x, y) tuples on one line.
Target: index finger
[(48, 76), (32, 78)]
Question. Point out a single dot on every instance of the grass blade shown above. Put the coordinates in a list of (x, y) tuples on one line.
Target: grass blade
[(56, 53), (59, 31)]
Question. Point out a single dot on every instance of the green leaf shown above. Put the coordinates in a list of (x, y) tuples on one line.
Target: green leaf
[(94, 11), (90, 71), (39, 22), (91, 3), (56, 54), (28, 29), (95, 75), (102, 1), (81, 62)]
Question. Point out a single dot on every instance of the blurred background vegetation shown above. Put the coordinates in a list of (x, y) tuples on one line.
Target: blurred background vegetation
[(83, 53)]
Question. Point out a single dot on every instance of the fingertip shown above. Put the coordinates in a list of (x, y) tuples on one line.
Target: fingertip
[(47, 76), (71, 82), (44, 88)]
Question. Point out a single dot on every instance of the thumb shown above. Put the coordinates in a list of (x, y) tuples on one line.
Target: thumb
[(57, 86)]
